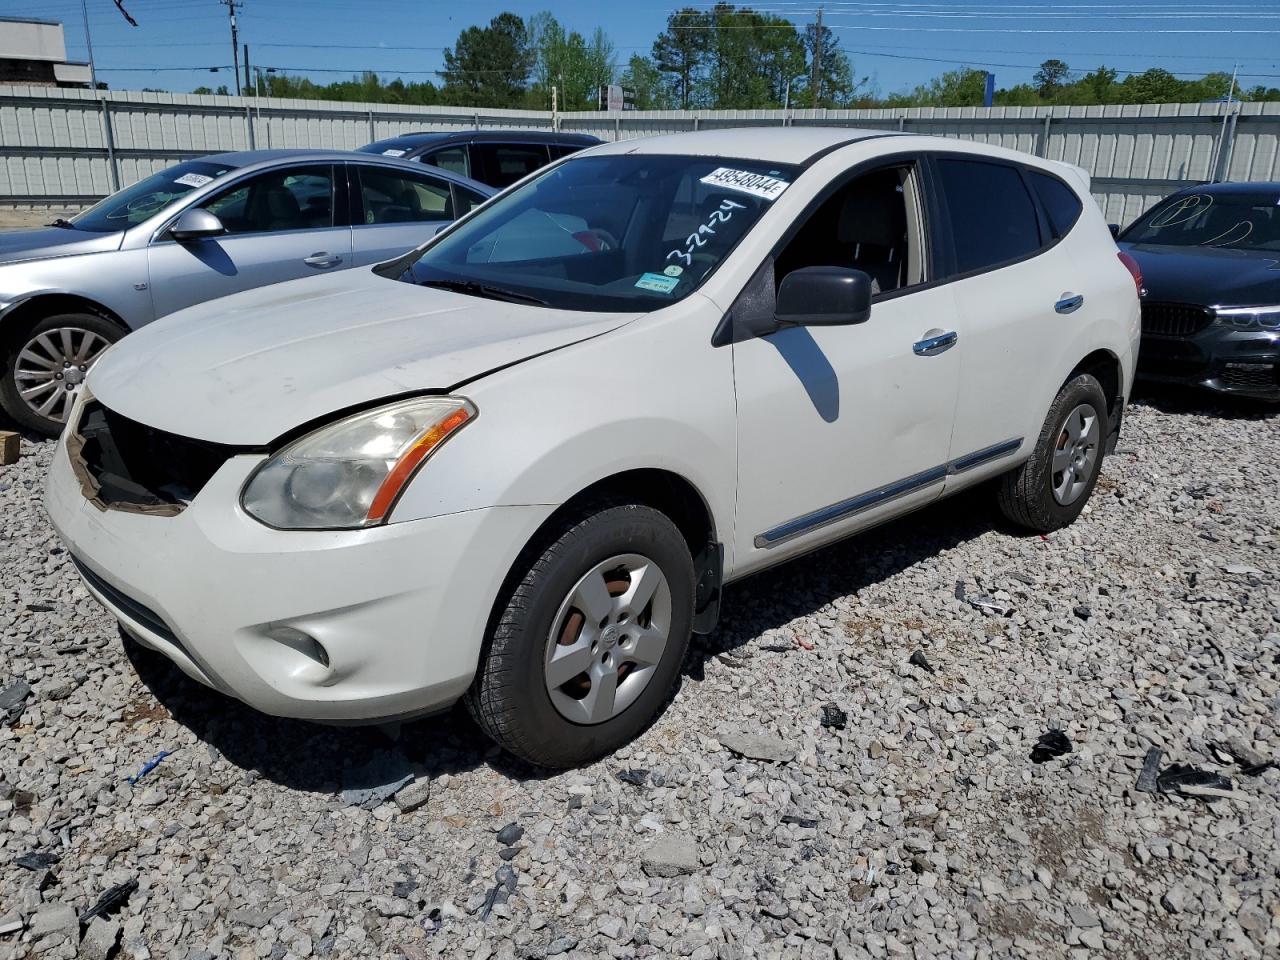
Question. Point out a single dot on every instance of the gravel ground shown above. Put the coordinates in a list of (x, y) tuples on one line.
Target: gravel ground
[(746, 822)]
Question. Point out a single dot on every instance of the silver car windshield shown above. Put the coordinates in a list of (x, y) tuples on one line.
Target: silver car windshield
[(622, 232), (146, 198)]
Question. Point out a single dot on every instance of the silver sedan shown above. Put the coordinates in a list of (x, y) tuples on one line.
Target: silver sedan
[(199, 230)]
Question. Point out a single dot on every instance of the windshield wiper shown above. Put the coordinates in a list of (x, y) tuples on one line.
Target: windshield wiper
[(476, 289), (64, 223)]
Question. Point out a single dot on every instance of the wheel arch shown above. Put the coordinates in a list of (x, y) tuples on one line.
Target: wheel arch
[(36, 307), (666, 491), (1105, 367)]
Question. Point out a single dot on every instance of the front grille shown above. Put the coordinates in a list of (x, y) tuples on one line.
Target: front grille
[(1254, 375), (127, 465), (1174, 319)]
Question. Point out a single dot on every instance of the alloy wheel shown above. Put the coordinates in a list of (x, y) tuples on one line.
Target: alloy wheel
[(607, 639), (1075, 455), (52, 366)]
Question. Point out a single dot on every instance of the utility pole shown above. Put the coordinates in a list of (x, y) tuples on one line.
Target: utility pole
[(817, 59), (235, 42), (247, 82)]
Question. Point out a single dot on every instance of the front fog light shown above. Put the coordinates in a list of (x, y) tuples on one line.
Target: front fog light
[(349, 474)]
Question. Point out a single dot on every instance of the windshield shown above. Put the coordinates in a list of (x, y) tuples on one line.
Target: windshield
[(144, 199), (1237, 221), (616, 233)]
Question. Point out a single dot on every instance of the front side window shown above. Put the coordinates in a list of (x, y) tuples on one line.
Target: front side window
[(505, 163), (872, 224), (621, 232), (393, 197), (148, 197), (992, 218), (467, 199), (453, 159), (297, 198), (1242, 221)]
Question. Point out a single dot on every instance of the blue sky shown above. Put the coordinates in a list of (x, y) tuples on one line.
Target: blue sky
[(898, 43)]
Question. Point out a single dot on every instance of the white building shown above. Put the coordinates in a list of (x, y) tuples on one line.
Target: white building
[(35, 52)]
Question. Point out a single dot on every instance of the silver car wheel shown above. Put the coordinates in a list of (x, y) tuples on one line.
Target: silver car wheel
[(607, 639), (52, 366), (1075, 455)]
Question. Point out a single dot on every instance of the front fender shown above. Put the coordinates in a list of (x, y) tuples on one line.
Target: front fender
[(652, 395)]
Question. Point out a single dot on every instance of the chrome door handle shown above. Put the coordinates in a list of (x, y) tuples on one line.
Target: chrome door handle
[(1069, 304), (934, 345), (322, 260)]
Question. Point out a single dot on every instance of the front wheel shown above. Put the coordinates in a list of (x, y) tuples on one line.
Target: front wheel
[(1049, 490), (589, 642), (44, 367)]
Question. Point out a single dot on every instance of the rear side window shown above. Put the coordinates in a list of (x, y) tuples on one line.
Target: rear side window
[(467, 199), (394, 197), (1060, 202), (992, 217), (559, 150), (453, 159), (505, 163)]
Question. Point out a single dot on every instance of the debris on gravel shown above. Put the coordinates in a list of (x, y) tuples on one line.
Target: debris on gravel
[(918, 828)]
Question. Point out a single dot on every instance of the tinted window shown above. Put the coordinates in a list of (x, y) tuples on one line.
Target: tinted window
[(300, 198), (453, 159), (1240, 220), (1060, 202), (992, 217), (559, 150), (467, 199), (393, 197), (505, 163), (148, 197)]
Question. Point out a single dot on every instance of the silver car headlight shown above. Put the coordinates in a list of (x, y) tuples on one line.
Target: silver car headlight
[(1250, 318), (349, 474)]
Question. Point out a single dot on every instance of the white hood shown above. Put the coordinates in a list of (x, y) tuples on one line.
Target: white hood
[(247, 368)]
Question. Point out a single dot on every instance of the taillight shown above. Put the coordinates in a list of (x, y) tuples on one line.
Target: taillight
[(1131, 265)]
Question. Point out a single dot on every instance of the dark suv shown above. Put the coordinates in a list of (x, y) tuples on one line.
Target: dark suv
[(1210, 259), (496, 157)]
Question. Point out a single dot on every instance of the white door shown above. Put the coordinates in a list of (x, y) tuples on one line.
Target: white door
[(841, 427), (1011, 295)]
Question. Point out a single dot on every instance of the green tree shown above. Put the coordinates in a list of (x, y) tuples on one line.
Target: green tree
[(836, 85), (965, 87), (489, 66), (574, 65), (650, 89), (1153, 86), (681, 52), (1050, 78)]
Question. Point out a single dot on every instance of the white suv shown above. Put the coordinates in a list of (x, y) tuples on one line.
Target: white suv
[(518, 464)]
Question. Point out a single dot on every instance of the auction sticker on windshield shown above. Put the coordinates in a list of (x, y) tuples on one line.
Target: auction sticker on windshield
[(657, 282), (756, 184), (193, 180)]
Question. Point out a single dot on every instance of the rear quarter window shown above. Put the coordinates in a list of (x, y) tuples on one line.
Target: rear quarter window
[(1060, 202), (992, 218)]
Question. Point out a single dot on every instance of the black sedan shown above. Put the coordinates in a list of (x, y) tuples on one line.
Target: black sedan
[(1210, 258)]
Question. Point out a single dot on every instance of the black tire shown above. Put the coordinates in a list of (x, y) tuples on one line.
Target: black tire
[(509, 697), (14, 341), (1026, 493)]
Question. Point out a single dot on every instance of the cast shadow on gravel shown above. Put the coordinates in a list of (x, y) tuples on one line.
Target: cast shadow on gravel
[(325, 759), (800, 587), (1174, 400)]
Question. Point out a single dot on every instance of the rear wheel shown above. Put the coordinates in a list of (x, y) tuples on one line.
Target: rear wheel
[(588, 645), (1049, 490), (45, 365)]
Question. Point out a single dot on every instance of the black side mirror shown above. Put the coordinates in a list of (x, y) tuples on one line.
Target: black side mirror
[(824, 297), (1115, 229), (196, 224)]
